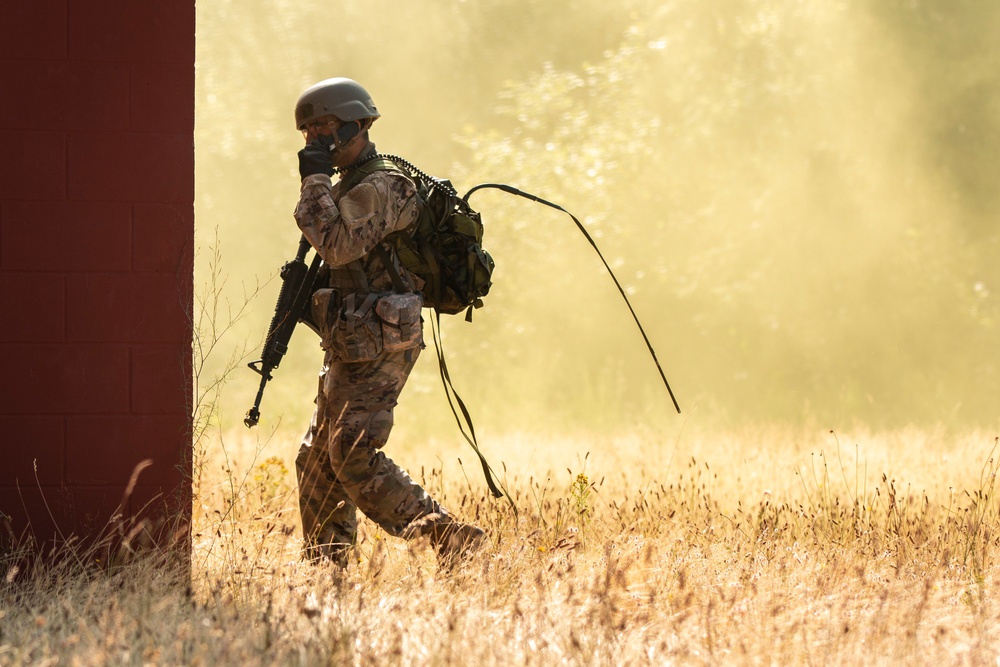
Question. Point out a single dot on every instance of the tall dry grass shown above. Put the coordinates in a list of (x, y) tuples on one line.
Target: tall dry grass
[(760, 547)]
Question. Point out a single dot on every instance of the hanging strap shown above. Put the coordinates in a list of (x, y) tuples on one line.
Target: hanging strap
[(449, 388), (469, 436)]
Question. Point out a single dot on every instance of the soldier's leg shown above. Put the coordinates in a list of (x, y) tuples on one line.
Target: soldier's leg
[(364, 395), (360, 398), (329, 516)]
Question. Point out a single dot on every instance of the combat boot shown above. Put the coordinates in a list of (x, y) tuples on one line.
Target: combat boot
[(337, 554), (452, 540)]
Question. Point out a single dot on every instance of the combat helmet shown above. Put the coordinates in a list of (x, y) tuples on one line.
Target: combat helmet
[(343, 98)]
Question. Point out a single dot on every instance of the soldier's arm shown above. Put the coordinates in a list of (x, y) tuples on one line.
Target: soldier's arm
[(380, 204)]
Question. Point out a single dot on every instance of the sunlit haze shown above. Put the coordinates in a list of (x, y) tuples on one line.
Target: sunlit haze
[(800, 199)]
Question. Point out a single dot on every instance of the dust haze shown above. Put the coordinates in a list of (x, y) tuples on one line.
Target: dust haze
[(800, 199)]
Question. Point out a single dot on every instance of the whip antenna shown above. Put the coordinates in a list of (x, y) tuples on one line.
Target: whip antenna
[(649, 346)]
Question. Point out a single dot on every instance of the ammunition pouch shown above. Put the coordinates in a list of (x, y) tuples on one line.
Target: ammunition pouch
[(361, 327), (401, 324)]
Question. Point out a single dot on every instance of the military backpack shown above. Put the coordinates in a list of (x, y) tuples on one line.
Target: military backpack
[(444, 247)]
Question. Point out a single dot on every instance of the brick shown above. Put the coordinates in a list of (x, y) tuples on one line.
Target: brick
[(163, 238), (173, 495), (130, 30), (99, 96), (161, 379), (166, 513), (107, 449), (131, 167), (50, 95), (35, 307), (65, 379), (33, 165), (129, 307), (65, 236), (33, 29), (33, 450), (27, 511), (55, 513), (170, 493), (34, 94), (89, 509), (162, 98)]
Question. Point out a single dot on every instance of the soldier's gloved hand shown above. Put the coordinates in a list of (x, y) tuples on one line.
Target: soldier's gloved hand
[(315, 157)]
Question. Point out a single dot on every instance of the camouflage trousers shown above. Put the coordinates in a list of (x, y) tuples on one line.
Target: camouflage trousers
[(341, 467)]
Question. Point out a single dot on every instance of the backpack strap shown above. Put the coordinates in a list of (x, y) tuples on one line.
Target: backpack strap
[(397, 280), (355, 175)]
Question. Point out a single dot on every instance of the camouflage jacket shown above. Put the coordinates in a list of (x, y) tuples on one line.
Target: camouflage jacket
[(345, 226)]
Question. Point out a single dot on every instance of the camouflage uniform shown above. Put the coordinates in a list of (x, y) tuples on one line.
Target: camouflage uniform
[(340, 465)]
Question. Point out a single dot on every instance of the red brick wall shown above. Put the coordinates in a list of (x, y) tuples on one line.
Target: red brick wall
[(96, 235)]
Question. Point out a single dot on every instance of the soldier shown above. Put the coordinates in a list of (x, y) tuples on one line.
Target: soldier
[(341, 466)]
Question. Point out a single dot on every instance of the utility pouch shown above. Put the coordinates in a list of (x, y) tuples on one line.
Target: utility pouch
[(401, 325), (356, 333), (324, 307)]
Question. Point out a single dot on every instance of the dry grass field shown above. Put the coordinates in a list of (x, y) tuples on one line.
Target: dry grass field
[(765, 547)]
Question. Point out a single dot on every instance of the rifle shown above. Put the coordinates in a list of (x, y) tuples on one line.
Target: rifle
[(293, 303)]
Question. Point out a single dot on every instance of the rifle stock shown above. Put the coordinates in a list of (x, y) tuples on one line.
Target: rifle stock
[(293, 299)]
